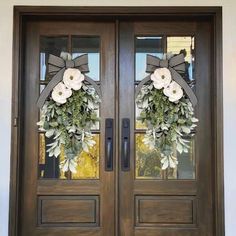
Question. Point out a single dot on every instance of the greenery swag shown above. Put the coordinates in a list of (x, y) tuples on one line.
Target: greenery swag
[(169, 115)]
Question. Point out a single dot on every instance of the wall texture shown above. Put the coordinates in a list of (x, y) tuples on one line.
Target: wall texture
[(229, 58)]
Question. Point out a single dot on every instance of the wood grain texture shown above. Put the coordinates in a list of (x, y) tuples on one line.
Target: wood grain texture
[(201, 187), (69, 210), (51, 211), (165, 210), (126, 108), (24, 14)]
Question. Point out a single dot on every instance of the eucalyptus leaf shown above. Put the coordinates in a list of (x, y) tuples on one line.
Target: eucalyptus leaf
[(49, 133), (57, 151)]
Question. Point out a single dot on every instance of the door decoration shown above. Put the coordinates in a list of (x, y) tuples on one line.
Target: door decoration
[(68, 108), (167, 103)]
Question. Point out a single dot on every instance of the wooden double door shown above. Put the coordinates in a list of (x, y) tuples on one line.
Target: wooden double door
[(129, 194)]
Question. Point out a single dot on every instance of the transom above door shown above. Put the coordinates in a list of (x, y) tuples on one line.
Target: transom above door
[(126, 192)]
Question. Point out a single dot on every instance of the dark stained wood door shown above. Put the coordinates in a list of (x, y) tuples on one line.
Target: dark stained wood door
[(178, 202), (138, 198), (52, 202)]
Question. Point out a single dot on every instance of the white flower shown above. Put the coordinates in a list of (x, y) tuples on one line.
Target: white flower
[(161, 78), (171, 162), (60, 93), (68, 164), (73, 78), (173, 91)]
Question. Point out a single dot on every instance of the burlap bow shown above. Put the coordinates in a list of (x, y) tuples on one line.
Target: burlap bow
[(176, 65), (57, 67)]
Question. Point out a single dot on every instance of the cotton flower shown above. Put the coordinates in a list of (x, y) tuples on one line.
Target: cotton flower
[(161, 78), (73, 78), (173, 91), (60, 93)]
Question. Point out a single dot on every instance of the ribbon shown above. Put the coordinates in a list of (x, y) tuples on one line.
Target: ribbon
[(176, 65), (57, 67)]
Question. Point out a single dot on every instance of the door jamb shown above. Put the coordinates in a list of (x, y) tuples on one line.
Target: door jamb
[(23, 13)]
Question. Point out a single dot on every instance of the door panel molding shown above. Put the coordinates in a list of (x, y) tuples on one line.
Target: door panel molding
[(23, 14)]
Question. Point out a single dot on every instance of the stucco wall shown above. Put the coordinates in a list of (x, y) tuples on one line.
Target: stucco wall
[(229, 58)]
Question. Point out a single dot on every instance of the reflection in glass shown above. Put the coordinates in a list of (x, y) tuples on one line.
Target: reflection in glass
[(139, 124), (88, 163), (41, 154), (48, 166), (148, 163), (42, 87), (185, 45), (186, 166), (144, 46), (50, 45), (91, 46)]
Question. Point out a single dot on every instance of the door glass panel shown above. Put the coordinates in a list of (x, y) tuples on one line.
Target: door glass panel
[(144, 46), (184, 44), (186, 166), (148, 164), (49, 166), (139, 124), (50, 45), (88, 163), (91, 46)]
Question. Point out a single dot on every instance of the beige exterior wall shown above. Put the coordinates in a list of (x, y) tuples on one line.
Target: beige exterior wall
[(229, 57)]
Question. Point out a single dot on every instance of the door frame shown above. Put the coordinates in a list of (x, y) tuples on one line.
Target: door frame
[(22, 14)]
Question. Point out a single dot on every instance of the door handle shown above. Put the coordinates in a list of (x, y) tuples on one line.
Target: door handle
[(125, 150), (109, 144)]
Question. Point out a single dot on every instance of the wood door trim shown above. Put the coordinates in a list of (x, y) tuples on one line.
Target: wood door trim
[(24, 13)]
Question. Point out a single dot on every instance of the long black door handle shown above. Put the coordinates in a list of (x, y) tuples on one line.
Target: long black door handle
[(125, 150), (109, 144)]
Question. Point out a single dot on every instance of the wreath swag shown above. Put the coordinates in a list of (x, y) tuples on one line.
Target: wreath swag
[(167, 107), (68, 109)]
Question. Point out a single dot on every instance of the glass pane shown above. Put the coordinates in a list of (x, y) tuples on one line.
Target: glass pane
[(148, 163), (42, 87), (186, 165), (50, 45), (88, 163), (184, 44), (96, 126), (144, 46), (139, 124), (91, 46), (48, 166)]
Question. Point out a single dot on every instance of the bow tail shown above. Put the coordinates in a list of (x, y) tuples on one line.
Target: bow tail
[(54, 81), (178, 79), (96, 87)]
